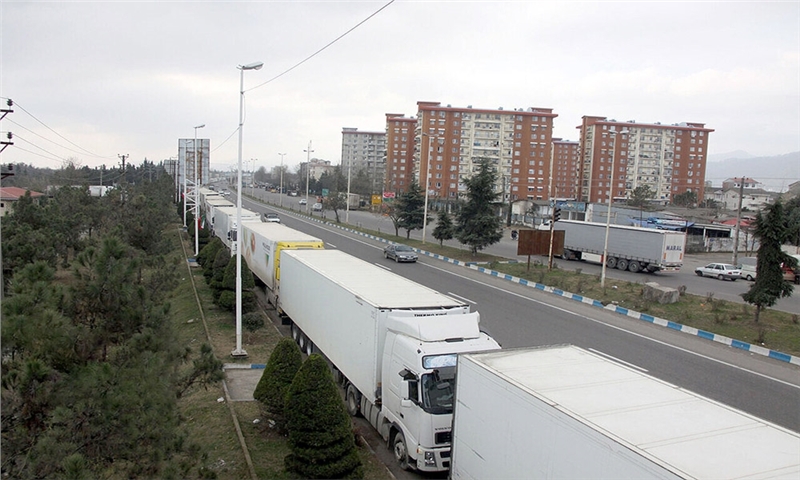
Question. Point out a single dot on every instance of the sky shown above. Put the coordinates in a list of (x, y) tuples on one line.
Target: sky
[(91, 81)]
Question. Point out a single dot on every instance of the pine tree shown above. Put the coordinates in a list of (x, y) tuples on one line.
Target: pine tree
[(444, 227), (411, 208), (477, 224), (772, 230), (284, 363), (320, 431)]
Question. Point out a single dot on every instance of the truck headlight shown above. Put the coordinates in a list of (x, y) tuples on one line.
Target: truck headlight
[(430, 459)]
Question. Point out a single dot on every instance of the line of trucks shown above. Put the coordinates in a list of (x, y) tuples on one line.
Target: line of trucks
[(445, 396)]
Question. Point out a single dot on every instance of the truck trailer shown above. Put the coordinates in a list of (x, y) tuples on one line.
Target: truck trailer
[(262, 251), (565, 412), (629, 248), (392, 344), (224, 225)]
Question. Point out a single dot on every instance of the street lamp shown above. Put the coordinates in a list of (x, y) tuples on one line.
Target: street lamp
[(196, 197), (427, 171), (253, 177), (280, 191), (613, 132), (308, 171), (239, 351), (349, 167)]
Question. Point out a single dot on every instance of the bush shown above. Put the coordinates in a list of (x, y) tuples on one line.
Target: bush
[(283, 364), (321, 439)]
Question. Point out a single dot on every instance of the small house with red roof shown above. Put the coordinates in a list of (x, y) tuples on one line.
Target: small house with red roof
[(9, 195)]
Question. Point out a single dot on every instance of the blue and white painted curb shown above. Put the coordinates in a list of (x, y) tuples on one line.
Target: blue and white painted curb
[(748, 347), (244, 366)]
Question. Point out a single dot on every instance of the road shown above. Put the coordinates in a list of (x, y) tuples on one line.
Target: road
[(520, 316)]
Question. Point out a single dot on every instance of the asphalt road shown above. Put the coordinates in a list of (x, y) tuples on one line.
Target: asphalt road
[(519, 316)]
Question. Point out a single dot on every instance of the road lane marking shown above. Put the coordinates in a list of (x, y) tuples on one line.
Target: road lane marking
[(637, 367), (462, 298)]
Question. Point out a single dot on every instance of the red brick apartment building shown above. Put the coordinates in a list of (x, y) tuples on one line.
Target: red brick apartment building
[(399, 152), (670, 159)]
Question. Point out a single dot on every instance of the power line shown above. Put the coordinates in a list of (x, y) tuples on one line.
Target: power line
[(323, 48), (43, 138)]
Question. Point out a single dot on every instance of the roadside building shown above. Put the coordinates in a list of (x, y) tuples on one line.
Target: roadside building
[(10, 195), (400, 131), (364, 151)]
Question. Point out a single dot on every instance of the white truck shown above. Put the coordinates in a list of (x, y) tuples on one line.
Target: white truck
[(262, 251), (629, 248), (392, 343), (565, 412), (211, 204), (224, 224)]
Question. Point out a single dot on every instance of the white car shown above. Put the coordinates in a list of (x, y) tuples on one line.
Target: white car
[(271, 218), (317, 207), (721, 271), (303, 201)]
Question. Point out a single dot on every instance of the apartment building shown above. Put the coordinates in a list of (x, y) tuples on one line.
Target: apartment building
[(364, 151), (566, 168), (670, 159), (400, 131), (450, 142)]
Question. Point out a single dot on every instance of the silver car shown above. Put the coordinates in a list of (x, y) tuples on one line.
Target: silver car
[(400, 253), (721, 271)]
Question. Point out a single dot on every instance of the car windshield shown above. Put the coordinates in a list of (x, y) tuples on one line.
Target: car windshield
[(403, 248), (438, 390)]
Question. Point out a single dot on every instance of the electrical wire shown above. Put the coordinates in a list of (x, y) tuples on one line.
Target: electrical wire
[(323, 48), (43, 138)]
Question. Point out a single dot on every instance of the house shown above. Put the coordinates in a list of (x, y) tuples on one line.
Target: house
[(9, 195), (752, 198)]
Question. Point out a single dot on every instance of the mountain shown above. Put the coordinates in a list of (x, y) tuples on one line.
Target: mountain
[(718, 157), (775, 173)]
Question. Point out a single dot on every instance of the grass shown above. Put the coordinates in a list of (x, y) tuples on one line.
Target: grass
[(209, 422)]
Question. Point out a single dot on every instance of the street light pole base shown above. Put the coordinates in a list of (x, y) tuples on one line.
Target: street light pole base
[(238, 353)]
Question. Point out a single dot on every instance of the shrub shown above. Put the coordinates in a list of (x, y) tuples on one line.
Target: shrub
[(283, 364)]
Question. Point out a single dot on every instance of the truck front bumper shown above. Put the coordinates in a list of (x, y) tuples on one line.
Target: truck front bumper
[(433, 460)]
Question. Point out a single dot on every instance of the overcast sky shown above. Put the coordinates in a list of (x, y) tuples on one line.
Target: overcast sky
[(94, 80)]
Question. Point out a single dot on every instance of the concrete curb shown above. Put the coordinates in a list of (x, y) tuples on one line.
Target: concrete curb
[(748, 347)]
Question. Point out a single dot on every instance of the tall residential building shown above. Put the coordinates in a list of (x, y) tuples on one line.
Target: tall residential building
[(670, 159), (364, 151), (450, 142), (400, 170), (566, 168)]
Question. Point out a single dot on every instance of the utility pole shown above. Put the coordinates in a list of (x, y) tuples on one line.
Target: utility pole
[(735, 260)]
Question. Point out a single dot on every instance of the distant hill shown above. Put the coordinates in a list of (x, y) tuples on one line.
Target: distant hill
[(775, 173)]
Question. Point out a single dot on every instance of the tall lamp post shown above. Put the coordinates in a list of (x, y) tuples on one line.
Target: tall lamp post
[(196, 197), (280, 191), (617, 137), (427, 171), (349, 167), (308, 173), (239, 351)]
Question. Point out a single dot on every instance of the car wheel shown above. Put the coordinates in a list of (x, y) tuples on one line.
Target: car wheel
[(749, 278), (385, 255), (720, 277), (699, 273)]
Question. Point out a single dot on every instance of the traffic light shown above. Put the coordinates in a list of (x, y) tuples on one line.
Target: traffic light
[(557, 214)]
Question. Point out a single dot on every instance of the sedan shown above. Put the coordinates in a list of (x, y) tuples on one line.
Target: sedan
[(317, 207), (271, 218), (721, 271), (303, 201), (400, 253)]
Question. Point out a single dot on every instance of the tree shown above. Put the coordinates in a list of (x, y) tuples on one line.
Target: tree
[(252, 322), (477, 224), (321, 439), (391, 211), (771, 227), (685, 199), (411, 208), (335, 201), (284, 363), (227, 299), (444, 227), (640, 196)]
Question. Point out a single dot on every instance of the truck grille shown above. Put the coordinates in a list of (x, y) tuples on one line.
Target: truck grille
[(443, 437)]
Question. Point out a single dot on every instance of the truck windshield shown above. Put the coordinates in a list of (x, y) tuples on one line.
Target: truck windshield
[(438, 390)]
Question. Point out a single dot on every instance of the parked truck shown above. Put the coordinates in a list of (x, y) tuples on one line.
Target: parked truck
[(224, 225), (565, 412), (262, 251), (392, 343), (211, 204), (629, 248)]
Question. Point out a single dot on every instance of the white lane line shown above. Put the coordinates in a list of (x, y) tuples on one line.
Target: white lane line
[(637, 367), (599, 322), (462, 298), (385, 268)]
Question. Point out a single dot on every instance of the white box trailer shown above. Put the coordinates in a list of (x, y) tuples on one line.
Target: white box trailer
[(262, 251), (393, 344), (224, 225), (564, 412), (212, 204), (629, 248)]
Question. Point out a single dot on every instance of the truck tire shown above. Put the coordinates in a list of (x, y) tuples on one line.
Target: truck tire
[(309, 347), (611, 262), (634, 266), (400, 450), (622, 264), (352, 401)]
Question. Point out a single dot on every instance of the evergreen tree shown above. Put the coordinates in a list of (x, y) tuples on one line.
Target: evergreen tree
[(772, 230), (640, 196), (321, 438), (444, 227), (411, 208), (477, 224), (284, 363), (228, 295)]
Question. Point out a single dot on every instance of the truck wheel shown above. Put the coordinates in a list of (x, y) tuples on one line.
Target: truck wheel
[(634, 267), (352, 402), (400, 450), (295, 333), (611, 262), (309, 347), (622, 264)]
